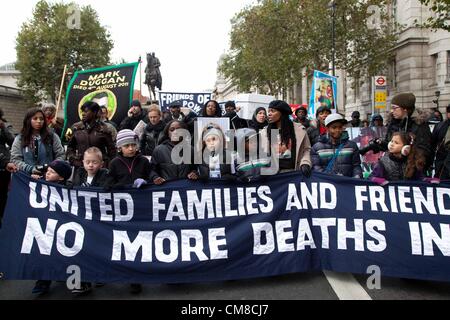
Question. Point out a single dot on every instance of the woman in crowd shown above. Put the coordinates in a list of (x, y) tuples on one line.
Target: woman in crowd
[(163, 166), (291, 147), (259, 119), (36, 146), (211, 109), (318, 128)]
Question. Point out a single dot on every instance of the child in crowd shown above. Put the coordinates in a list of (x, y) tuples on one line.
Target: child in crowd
[(92, 174), (129, 168), (247, 164), (163, 166), (58, 172), (402, 161), (214, 159), (335, 153)]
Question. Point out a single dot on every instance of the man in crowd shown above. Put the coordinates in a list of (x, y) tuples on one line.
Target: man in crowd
[(356, 122), (135, 115), (235, 121)]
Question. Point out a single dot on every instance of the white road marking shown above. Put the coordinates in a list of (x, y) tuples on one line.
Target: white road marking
[(346, 287)]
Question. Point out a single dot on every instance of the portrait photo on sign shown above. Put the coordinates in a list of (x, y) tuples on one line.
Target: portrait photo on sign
[(103, 97), (204, 123), (324, 93)]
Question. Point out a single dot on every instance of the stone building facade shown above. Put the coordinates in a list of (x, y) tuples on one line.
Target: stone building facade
[(421, 65)]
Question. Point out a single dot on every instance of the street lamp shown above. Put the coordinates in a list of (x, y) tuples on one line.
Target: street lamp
[(332, 5), (437, 94)]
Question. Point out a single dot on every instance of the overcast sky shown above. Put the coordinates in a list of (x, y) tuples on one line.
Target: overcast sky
[(187, 36)]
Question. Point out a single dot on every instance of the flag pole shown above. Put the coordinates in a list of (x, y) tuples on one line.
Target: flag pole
[(60, 90), (140, 78)]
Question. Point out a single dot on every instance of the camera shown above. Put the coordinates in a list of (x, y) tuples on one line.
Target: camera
[(374, 145), (42, 168)]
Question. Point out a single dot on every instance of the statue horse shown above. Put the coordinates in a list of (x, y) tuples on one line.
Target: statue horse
[(153, 77)]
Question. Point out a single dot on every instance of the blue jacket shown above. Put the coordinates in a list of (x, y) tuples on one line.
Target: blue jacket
[(348, 161)]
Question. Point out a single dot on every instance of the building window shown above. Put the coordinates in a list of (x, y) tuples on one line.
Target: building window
[(392, 76), (434, 68), (394, 13), (448, 65), (356, 88)]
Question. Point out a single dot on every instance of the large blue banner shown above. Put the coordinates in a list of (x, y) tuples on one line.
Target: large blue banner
[(188, 231)]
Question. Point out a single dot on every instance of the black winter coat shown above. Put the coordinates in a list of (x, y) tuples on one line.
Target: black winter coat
[(162, 165), (100, 178), (124, 171), (438, 137), (151, 137), (131, 122), (6, 141)]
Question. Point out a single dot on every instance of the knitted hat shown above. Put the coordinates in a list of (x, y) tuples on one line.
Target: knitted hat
[(136, 103), (126, 136), (230, 104), (405, 100), (62, 168), (301, 108), (281, 106), (210, 132)]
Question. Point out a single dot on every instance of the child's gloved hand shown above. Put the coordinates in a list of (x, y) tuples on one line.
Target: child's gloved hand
[(432, 180), (139, 183), (380, 181), (306, 170)]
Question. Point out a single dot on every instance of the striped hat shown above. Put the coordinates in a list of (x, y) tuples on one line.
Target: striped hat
[(126, 136)]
